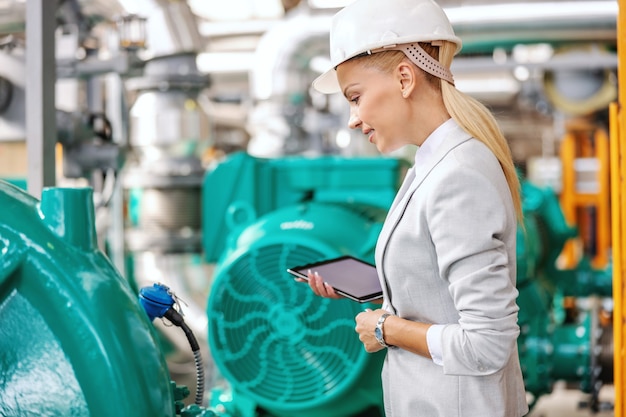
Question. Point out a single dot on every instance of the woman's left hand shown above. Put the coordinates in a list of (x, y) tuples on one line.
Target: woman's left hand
[(365, 325)]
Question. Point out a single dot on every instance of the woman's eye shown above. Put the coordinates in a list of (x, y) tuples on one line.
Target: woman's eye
[(355, 99)]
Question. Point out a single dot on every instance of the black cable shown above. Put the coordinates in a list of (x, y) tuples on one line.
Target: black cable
[(177, 319)]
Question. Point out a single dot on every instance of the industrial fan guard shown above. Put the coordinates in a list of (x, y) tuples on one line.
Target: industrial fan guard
[(279, 344)]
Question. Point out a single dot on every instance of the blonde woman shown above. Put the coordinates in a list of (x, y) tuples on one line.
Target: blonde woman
[(446, 253)]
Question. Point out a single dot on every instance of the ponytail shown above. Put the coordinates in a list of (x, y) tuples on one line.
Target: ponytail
[(478, 121)]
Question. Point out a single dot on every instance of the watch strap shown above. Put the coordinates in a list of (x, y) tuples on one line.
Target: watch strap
[(379, 332)]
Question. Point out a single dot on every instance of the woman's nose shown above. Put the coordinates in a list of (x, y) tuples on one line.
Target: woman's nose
[(354, 122)]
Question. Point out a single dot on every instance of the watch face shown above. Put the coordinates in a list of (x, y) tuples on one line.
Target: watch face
[(378, 333)]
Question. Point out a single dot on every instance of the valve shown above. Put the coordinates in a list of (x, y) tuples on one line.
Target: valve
[(158, 301)]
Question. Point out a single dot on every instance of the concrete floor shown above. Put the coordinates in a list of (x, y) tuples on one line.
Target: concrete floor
[(563, 402)]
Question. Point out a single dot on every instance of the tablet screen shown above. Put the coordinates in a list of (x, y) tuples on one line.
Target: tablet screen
[(349, 276)]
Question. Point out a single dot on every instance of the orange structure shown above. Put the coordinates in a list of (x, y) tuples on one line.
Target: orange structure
[(585, 197)]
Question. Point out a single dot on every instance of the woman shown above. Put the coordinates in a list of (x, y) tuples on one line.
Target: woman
[(446, 253)]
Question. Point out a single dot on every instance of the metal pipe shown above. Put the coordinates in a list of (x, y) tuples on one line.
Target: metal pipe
[(40, 97), (302, 34), (499, 24)]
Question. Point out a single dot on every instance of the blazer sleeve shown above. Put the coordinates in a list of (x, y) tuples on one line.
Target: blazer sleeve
[(471, 227)]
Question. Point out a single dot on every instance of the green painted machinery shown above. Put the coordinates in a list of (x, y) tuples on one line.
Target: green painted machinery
[(563, 334), (284, 351), (73, 338)]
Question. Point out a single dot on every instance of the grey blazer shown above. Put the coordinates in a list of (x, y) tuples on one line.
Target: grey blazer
[(446, 255)]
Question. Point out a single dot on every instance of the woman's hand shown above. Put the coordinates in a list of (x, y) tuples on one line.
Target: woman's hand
[(365, 325), (319, 287)]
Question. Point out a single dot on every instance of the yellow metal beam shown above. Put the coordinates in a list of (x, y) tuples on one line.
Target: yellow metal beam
[(618, 296), (618, 209)]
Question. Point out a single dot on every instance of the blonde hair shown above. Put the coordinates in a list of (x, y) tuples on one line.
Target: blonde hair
[(468, 112)]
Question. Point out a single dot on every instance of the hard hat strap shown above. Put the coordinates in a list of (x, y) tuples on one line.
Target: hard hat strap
[(419, 57)]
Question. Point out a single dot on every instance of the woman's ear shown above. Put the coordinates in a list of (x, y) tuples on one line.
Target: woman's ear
[(407, 76)]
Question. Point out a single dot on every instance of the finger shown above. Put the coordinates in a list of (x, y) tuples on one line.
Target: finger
[(313, 280), (322, 286), (331, 291), (316, 284), (325, 287)]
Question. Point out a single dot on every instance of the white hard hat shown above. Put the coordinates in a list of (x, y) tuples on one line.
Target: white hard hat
[(367, 26)]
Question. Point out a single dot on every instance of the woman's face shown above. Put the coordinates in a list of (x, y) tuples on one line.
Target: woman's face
[(376, 104)]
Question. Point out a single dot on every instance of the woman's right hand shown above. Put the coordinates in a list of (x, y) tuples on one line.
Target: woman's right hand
[(319, 287)]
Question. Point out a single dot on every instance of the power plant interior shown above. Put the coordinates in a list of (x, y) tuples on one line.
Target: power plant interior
[(164, 162)]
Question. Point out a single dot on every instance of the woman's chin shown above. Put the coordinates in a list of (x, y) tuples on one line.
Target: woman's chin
[(386, 150)]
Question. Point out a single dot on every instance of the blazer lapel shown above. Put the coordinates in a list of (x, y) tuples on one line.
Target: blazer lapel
[(414, 178)]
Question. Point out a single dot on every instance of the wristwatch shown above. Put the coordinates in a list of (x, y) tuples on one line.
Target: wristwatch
[(378, 331)]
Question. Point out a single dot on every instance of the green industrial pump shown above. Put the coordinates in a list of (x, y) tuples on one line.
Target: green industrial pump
[(74, 340), (285, 351)]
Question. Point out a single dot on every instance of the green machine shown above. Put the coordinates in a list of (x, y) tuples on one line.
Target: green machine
[(563, 336), (285, 352), (74, 340)]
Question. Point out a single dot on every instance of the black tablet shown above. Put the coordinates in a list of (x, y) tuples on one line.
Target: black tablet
[(349, 276)]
